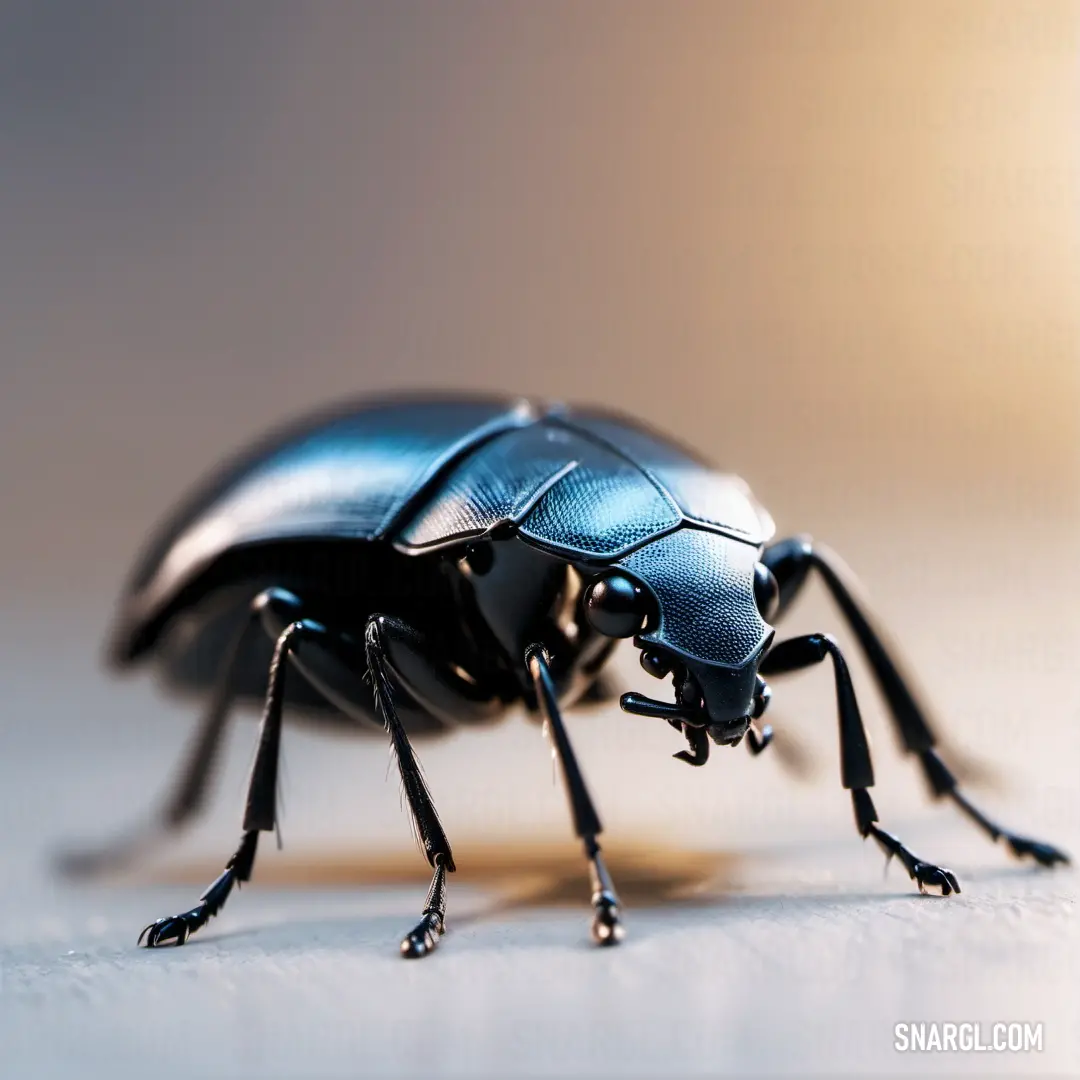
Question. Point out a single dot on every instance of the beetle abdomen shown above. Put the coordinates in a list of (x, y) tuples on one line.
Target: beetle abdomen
[(346, 475)]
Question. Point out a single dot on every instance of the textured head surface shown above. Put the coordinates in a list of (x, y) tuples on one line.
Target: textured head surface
[(704, 586)]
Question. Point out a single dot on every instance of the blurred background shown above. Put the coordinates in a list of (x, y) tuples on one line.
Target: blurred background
[(833, 245)]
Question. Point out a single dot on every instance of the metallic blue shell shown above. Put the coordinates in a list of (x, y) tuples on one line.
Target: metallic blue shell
[(584, 484), (345, 475), (424, 473)]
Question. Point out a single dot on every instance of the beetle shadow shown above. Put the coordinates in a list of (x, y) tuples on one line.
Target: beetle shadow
[(524, 878)]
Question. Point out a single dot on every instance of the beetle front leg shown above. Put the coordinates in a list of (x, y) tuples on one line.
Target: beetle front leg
[(856, 767), (607, 928), (790, 561)]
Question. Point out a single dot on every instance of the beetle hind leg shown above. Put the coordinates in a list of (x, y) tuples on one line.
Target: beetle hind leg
[(178, 928), (334, 663), (260, 813), (192, 785)]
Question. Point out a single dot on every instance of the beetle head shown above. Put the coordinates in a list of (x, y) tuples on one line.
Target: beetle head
[(696, 604)]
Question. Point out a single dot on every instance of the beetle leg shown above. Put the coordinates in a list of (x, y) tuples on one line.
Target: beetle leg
[(260, 812), (423, 938), (188, 797), (607, 929), (942, 782), (791, 560), (757, 743), (445, 690), (856, 767)]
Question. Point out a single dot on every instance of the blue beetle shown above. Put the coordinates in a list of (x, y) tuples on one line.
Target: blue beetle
[(428, 562)]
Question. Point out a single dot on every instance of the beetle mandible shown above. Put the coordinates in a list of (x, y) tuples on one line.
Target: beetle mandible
[(414, 564)]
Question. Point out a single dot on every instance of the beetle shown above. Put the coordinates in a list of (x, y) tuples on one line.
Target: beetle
[(410, 565)]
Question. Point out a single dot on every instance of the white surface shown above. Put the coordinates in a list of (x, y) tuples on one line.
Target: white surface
[(803, 963), (796, 971)]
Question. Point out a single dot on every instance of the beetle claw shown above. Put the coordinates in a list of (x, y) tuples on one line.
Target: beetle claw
[(1043, 854), (934, 879), (423, 938), (607, 927), (173, 928)]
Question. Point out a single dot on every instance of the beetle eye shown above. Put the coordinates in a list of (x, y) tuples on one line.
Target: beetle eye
[(766, 591), (615, 606)]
